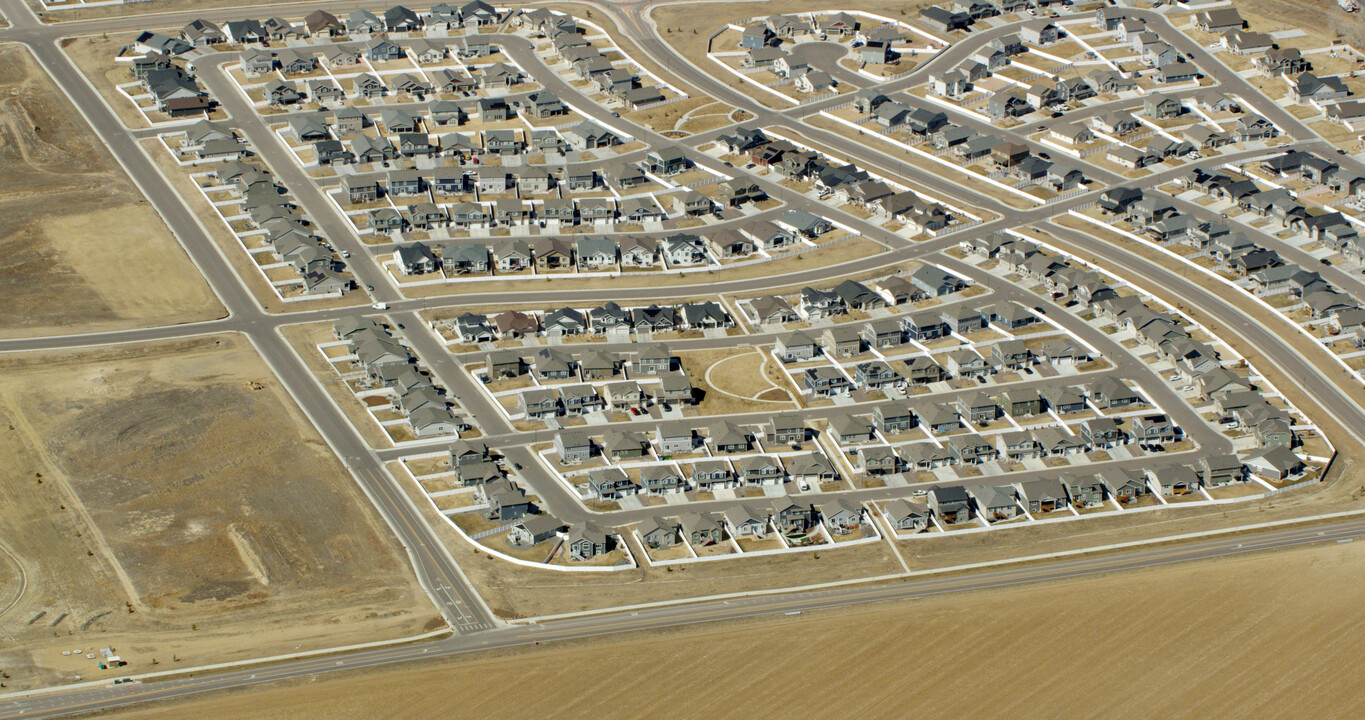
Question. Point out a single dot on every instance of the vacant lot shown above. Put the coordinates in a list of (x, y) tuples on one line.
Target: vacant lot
[(687, 27), (95, 56), (735, 381), (80, 249), (81, 12), (1320, 18), (169, 499), (1257, 632)]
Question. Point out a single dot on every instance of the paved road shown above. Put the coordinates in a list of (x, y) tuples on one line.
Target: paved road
[(435, 569), (330, 222), (1286, 355), (439, 574), (555, 496), (109, 697), (819, 276)]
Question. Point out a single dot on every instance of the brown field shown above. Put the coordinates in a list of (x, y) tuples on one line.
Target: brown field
[(105, 260), (1269, 627), (736, 381), (677, 22), (94, 55), (710, 117), (78, 12), (666, 117), (1319, 18), (172, 502)]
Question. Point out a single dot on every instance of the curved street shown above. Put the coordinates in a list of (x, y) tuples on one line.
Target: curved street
[(1333, 398)]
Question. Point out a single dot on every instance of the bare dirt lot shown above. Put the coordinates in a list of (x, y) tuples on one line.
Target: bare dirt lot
[(169, 500), (677, 22), (1252, 629), (1323, 18), (80, 249), (76, 11)]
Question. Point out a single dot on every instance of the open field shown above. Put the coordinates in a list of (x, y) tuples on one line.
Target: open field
[(169, 500), (81, 12), (80, 249), (1320, 18), (677, 22), (95, 56), (1243, 634), (666, 117), (736, 380)]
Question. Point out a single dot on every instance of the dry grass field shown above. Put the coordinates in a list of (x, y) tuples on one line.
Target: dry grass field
[(736, 381), (169, 500), (1267, 636), (676, 22), (1317, 17), (80, 249), (95, 56), (666, 117)]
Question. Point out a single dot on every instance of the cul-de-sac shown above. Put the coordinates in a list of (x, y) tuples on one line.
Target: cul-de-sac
[(881, 358)]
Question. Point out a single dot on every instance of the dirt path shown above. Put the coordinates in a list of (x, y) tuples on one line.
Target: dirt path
[(691, 114), (71, 500), (752, 398), (22, 575)]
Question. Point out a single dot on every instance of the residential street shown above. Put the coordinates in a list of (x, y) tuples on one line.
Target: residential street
[(1330, 393)]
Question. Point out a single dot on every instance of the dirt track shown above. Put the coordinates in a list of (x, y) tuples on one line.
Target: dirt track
[(188, 508)]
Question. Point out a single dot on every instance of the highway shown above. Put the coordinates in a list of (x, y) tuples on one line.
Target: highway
[(776, 606), (475, 627)]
